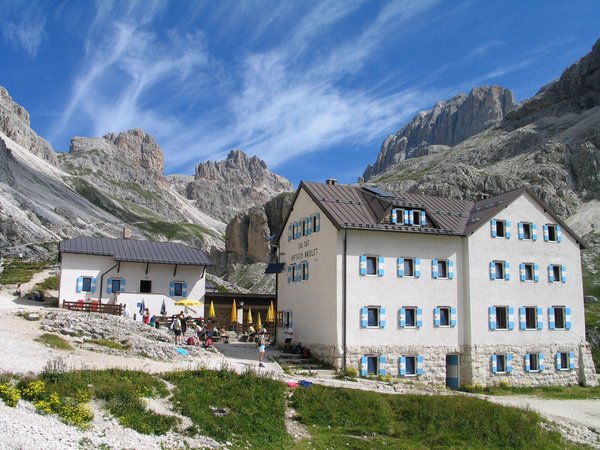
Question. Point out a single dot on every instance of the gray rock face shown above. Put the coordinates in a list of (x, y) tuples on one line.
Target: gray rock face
[(14, 123), (447, 123), (224, 188)]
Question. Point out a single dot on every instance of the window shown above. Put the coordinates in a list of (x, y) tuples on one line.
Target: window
[(411, 365), (552, 233), (529, 272), (410, 316), (294, 272), (305, 270), (530, 318), (145, 286), (500, 363), (305, 225), (501, 317), (444, 316), (373, 317), (86, 284), (287, 319), (115, 285), (372, 365), (409, 267), (527, 231), (565, 360), (559, 318), (371, 265), (500, 228), (442, 269), (177, 289), (532, 362), (418, 217), (557, 273), (499, 270)]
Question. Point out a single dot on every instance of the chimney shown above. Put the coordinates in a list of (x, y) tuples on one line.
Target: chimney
[(126, 233), (331, 181)]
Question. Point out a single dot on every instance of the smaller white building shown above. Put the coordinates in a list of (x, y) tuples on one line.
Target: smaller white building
[(132, 272)]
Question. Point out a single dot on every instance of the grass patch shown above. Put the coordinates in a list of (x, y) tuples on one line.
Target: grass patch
[(54, 341), (110, 343), (49, 284), (17, 271), (253, 407), (345, 418), (550, 392), (121, 390)]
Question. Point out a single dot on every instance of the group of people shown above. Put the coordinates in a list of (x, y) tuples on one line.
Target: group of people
[(145, 317), (199, 331)]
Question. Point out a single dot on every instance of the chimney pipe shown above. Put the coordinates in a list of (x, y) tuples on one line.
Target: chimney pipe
[(126, 233), (331, 181)]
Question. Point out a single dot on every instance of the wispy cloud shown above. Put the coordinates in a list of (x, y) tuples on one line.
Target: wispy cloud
[(27, 33)]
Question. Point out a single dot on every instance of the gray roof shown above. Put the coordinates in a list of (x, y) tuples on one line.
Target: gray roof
[(361, 207), (132, 250)]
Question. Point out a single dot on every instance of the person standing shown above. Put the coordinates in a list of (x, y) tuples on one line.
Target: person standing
[(177, 329), (261, 342)]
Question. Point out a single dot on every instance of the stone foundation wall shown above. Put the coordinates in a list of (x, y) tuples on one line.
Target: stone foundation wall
[(475, 363)]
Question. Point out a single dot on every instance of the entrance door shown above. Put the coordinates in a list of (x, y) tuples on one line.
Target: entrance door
[(452, 371)]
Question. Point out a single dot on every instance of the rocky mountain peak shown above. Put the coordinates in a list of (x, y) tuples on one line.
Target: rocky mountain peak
[(449, 123), (15, 123), (141, 147)]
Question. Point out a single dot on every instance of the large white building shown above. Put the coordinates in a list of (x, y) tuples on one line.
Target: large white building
[(132, 272), (439, 290)]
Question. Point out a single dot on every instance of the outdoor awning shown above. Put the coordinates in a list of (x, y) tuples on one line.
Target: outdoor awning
[(275, 268)]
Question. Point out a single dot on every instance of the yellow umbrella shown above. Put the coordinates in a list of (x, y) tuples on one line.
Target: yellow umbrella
[(250, 315), (258, 323), (187, 303), (270, 314), (211, 310), (233, 312)]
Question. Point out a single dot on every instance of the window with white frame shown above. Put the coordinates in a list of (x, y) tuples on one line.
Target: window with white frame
[(410, 316), (115, 285), (527, 231), (418, 217), (552, 232), (501, 363), (411, 365), (502, 317), (531, 318), (409, 267), (559, 317), (445, 314), (527, 272), (556, 273), (500, 228), (372, 265), (499, 270), (442, 268), (534, 362), (563, 361), (373, 314)]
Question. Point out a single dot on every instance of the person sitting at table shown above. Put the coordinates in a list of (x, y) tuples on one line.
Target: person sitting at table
[(251, 333)]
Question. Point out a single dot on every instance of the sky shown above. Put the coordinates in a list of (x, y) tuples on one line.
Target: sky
[(311, 87)]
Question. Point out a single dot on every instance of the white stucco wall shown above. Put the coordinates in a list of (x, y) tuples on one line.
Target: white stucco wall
[(313, 302), (73, 266)]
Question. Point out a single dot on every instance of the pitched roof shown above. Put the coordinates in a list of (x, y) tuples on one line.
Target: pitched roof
[(132, 250), (364, 207)]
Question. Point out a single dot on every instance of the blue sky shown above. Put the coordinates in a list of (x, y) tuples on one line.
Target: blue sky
[(313, 88)]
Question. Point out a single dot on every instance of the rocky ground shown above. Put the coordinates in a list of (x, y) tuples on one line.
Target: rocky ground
[(154, 351)]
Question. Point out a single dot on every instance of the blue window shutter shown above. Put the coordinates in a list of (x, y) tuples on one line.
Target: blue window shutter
[(520, 230), (453, 317), (511, 318), (405, 214), (298, 272), (420, 363), (402, 370), (522, 318), (436, 317), (363, 366), (411, 217), (527, 363), (557, 360), (306, 272), (546, 238), (363, 265), (401, 317), (541, 362), (123, 285), (540, 316), (109, 286), (184, 290), (568, 318), (289, 232), (536, 272), (571, 360), (382, 315), (289, 274), (309, 225), (522, 271), (79, 286), (417, 268), (302, 226), (423, 219), (563, 278), (364, 317), (506, 270), (380, 266), (507, 230), (509, 359), (450, 269), (550, 273), (419, 317), (93, 289), (492, 270), (394, 216), (533, 232), (551, 324), (493, 228), (494, 363), (172, 288), (558, 234), (382, 364), (492, 317), (400, 262), (434, 268), (318, 222)]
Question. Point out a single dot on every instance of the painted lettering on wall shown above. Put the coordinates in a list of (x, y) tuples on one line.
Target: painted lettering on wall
[(307, 252)]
